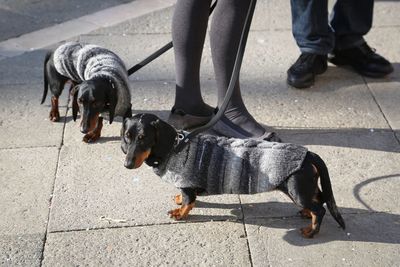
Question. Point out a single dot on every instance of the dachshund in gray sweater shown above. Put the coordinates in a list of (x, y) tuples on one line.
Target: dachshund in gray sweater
[(99, 84), (219, 165)]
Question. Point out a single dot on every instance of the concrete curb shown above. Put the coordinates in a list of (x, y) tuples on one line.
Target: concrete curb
[(69, 29)]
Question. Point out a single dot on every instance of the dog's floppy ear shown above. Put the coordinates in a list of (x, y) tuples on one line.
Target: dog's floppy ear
[(75, 106), (165, 137), (112, 101)]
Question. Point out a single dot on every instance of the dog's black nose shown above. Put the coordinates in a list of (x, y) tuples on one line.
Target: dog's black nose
[(129, 164)]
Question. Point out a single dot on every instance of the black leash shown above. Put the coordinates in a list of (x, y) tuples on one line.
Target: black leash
[(159, 52), (235, 75)]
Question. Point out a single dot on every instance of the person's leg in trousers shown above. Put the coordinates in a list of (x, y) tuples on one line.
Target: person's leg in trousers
[(310, 26), (315, 39), (189, 27), (351, 20), (225, 33)]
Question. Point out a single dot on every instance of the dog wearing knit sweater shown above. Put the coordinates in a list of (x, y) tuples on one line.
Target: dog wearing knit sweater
[(99, 84), (218, 165)]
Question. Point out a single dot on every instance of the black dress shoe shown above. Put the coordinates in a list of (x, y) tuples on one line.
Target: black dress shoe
[(302, 73), (364, 60)]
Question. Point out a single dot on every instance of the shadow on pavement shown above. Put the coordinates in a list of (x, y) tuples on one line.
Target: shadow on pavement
[(362, 225)]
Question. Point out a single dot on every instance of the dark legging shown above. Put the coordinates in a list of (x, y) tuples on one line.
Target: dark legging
[(189, 28)]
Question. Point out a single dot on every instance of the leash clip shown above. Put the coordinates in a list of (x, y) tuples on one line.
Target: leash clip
[(181, 140), (181, 136)]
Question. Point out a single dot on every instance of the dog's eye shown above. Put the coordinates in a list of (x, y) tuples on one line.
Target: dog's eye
[(140, 136), (128, 135)]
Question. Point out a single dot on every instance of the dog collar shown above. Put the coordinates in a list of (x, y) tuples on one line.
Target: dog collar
[(180, 135)]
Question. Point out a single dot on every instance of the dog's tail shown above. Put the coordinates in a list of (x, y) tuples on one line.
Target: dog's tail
[(45, 78), (327, 189)]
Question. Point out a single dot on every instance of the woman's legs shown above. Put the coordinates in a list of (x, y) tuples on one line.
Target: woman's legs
[(189, 26), (188, 32), (226, 29)]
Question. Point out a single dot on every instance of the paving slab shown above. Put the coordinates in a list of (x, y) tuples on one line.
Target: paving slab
[(385, 14), (360, 182), (26, 180), (387, 95), (21, 249), (24, 122), (333, 103), (272, 16), (94, 190), (206, 244), (369, 240)]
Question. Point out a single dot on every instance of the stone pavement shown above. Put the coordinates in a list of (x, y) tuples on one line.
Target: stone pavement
[(67, 203)]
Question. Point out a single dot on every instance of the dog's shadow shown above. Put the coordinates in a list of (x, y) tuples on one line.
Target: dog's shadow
[(361, 224)]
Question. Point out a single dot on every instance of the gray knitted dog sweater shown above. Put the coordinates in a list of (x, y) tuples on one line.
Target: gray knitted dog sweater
[(223, 165), (83, 62)]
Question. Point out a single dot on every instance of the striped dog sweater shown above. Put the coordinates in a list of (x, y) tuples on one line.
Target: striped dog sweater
[(83, 62), (221, 165)]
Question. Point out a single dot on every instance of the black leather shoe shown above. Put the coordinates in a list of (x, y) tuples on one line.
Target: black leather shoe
[(302, 73), (364, 60)]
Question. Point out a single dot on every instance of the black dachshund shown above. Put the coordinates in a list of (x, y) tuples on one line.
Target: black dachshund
[(220, 165), (99, 83)]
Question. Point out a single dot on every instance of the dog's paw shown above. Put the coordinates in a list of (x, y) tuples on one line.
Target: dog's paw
[(54, 116), (178, 199), (308, 232), (181, 213), (91, 137), (176, 214)]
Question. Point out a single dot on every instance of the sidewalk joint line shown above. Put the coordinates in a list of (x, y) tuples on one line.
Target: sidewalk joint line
[(381, 110), (116, 227), (28, 147), (245, 232), (53, 186), (141, 225)]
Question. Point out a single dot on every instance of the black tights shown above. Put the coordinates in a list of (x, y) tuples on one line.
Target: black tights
[(189, 28)]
